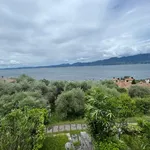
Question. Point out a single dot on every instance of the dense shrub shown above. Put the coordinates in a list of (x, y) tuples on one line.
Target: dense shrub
[(59, 86), (139, 91), (136, 142), (21, 100), (99, 115), (85, 86), (109, 84), (71, 85), (122, 90), (70, 104), (143, 105), (133, 81), (110, 145), (22, 130)]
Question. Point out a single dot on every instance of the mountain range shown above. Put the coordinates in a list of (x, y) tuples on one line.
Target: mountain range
[(135, 59)]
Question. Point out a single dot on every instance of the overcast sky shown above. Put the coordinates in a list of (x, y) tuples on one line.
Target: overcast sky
[(47, 32)]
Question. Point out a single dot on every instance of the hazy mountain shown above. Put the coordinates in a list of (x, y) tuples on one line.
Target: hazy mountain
[(136, 59)]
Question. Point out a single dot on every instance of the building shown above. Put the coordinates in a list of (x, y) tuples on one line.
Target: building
[(147, 81)]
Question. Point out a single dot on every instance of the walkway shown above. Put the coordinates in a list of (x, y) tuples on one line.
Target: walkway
[(66, 127)]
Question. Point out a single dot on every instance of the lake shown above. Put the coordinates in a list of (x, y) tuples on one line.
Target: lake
[(139, 71)]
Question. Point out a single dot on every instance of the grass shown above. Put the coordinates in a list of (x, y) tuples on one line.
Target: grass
[(77, 143), (134, 119), (78, 121), (56, 120), (55, 142)]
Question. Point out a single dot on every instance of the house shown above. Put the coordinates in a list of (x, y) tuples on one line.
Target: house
[(129, 79), (147, 81)]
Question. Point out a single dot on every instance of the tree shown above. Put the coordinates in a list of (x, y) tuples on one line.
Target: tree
[(133, 81), (109, 84), (85, 85), (99, 115), (47, 82), (70, 104), (139, 91), (51, 97), (143, 105), (125, 107), (21, 100), (40, 86), (145, 125), (24, 77), (23, 130), (71, 85), (59, 86)]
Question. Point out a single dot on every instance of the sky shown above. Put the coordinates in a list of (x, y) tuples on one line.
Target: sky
[(48, 32)]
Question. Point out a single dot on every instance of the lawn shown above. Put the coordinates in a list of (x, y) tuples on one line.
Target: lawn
[(78, 121), (55, 142)]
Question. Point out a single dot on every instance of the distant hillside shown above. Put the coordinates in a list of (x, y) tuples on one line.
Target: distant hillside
[(136, 59)]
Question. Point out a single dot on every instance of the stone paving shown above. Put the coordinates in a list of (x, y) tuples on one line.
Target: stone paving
[(66, 127)]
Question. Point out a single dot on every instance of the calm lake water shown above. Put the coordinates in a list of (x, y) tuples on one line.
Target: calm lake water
[(140, 71)]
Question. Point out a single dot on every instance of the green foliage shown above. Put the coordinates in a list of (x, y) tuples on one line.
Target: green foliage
[(133, 81), (71, 85), (70, 104), (139, 91), (85, 86), (145, 125), (143, 105), (47, 82), (110, 84), (110, 145), (99, 115), (51, 96), (55, 142), (21, 100), (28, 104), (22, 130), (122, 90), (135, 142), (40, 86), (103, 110), (24, 77), (125, 107), (76, 144), (59, 86)]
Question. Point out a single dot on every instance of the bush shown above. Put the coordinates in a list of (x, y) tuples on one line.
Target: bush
[(121, 90), (71, 85), (143, 105), (59, 86), (85, 86), (133, 81), (23, 130), (99, 115), (139, 91), (136, 142), (110, 84), (111, 145), (70, 104)]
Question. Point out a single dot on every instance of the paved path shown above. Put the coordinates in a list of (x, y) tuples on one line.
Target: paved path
[(66, 127)]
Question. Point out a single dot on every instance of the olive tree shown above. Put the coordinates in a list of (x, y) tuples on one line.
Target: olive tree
[(70, 104), (139, 91)]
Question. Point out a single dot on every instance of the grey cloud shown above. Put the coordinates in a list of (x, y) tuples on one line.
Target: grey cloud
[(48, 32)]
